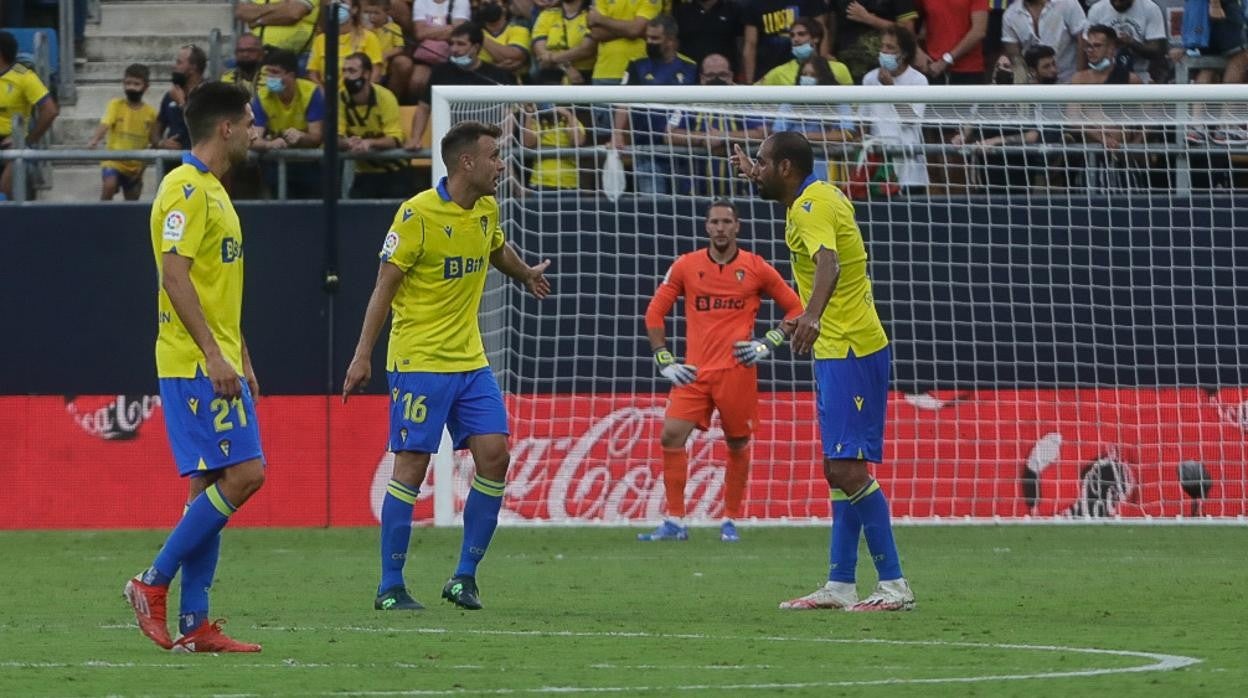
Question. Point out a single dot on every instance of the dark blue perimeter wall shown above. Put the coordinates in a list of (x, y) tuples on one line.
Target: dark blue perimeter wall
[(1022, 292)]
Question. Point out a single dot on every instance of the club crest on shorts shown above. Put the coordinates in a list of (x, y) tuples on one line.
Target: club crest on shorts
[(403, 435), (224, 445)]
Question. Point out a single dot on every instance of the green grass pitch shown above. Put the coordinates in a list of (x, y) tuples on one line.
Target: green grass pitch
[(1003, 611)]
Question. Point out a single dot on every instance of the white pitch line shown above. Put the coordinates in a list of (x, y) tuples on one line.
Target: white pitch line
[(1159, 662)]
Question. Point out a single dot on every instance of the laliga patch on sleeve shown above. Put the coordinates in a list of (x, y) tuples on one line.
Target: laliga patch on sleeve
[(391, 244), (175, 223)]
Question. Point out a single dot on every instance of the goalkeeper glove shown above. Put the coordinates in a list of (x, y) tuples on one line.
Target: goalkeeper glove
[(673, 370), (755, 350)]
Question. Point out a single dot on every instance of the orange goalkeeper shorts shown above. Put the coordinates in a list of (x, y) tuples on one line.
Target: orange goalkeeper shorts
[(733, 391)]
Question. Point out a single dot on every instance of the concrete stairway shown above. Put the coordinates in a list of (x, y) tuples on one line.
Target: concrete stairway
[(129, 31)]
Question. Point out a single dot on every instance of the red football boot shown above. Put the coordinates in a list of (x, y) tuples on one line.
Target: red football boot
[(209, 638), (148, 602)]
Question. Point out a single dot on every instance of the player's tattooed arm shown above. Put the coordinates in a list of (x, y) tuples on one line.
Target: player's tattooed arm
[(175, 278)]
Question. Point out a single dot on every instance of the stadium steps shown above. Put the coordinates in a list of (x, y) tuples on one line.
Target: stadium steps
[(129, 31)]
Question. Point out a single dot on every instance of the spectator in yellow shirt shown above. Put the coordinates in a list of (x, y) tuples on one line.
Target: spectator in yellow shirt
[(548, 126), (561, 41), (396, 63), (248, 52), (127, 123), (368, 119), (506, 40), (21, 93), (285, 24), (619, 27), (352, 38)]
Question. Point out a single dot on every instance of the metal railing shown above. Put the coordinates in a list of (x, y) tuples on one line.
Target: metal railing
[(21, 155), (66, 91)]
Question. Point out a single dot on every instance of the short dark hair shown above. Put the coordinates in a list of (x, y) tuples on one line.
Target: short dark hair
[(8, 48), (211, 102), (1104, 30), (365, 62), (198, 58), (723, 203), (462, 136), (793, 146), (905, 40), (1037, 53), (667, 24), (472, 30), (282, 58), (813, 27), (138, 70)]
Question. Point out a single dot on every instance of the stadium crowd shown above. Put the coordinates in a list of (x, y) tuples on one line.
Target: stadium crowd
[(391, 52)]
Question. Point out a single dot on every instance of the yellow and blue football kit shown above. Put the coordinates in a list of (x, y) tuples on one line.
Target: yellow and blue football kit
[(851, 353), (193, 217), (435, 361), (129, 128), (20, 92)]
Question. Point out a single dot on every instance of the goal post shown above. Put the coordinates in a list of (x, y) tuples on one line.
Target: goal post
[(1057, 268)]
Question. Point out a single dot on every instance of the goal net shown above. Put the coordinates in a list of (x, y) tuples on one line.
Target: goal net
[(1059, 271)]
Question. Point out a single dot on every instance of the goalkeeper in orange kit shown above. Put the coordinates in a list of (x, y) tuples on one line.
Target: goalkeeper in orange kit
[(723, 287)]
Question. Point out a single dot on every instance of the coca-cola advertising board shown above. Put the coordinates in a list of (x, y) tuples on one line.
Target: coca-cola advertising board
[(104, 461)]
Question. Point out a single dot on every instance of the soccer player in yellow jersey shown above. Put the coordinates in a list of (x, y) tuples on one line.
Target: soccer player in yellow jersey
[(432, 275), (852, 355), (207, 384)]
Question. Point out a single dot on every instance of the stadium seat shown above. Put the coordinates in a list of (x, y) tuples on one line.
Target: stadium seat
[(405, 117), (26, 45)]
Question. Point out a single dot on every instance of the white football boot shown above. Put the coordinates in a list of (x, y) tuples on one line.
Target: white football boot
[(893, 595), (833, 595)]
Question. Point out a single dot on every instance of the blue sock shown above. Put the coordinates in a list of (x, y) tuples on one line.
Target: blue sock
[(197, 573), (872, 508), (846, 528), (204, 519), (480, 520), (396, 532)]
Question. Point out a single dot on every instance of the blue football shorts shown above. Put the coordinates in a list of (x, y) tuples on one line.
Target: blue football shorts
[(850, 397), (422, 403), (208, 432)]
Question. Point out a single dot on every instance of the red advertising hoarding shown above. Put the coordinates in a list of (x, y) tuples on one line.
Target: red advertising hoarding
[(104, 462)]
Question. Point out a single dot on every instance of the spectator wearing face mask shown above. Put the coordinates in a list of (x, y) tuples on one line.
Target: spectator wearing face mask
[(1141, 30), (463, 67), (899, 124), (766, 41), (352, 38), (127, 123), (1100, 48), (1003, 125), (805, 34), (368, 119), (645, 127), (506, 40), (289, 113), (247, 55), (708, 133), (857, 28), (169, 131)]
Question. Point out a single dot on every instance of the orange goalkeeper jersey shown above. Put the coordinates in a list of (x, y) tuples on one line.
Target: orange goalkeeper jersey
[(721, 301)]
